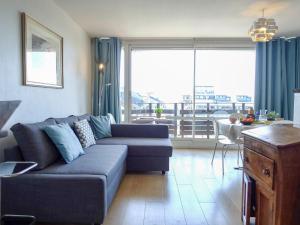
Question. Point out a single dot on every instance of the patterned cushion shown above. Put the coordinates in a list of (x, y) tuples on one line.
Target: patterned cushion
[(84, 133)]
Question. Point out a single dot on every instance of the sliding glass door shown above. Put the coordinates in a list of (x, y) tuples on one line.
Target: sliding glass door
[(159, 80), (224, 83), (188, 86)]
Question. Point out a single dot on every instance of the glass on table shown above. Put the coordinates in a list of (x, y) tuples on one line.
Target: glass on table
[(263, 114)]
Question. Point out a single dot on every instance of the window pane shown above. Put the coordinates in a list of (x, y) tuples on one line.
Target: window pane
[(161, 77), (224, 77)]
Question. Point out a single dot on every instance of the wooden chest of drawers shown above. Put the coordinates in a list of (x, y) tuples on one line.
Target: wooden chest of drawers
[(271, 180)]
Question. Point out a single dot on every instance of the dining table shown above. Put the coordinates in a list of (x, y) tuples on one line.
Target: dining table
[(233, 131)]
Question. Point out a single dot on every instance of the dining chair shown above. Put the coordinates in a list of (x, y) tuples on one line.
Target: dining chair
[(226, 143)]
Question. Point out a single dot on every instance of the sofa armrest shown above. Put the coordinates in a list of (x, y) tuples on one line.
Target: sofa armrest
[(56, 198), (140, 130)]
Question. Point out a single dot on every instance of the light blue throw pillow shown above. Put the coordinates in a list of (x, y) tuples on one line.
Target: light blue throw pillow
[(111, 118), (101, 126), (65, 140)]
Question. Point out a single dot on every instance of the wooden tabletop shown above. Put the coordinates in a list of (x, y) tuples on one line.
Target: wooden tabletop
[(280, 135)]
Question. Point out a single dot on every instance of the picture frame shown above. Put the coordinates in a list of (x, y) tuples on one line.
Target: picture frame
[(42, 55)]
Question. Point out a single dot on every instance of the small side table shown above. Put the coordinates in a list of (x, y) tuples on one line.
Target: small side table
[(10, 170)]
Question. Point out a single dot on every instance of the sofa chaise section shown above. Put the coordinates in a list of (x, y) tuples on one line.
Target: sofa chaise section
[(149, 146)]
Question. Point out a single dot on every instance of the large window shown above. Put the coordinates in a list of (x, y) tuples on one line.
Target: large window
[(190, 86)]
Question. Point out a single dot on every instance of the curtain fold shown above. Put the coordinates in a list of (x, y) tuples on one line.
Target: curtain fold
[(277, 74), (107, 51)]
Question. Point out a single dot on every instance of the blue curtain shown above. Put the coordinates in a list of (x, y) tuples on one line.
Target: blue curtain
[(107, 81), (277, 74)]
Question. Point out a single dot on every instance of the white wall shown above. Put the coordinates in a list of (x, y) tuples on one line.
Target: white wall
[(297, 109), (41, 103)]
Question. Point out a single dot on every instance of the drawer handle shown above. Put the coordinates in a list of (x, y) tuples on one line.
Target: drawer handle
[(266, 172), (246, 159)]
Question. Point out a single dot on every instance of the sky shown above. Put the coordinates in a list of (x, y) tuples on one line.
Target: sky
[(169, 74)]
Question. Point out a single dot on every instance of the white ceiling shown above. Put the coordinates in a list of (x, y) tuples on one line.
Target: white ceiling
[(179, 18)]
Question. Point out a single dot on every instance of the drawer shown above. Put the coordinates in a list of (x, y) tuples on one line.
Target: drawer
[(259, 166), (259, 147)]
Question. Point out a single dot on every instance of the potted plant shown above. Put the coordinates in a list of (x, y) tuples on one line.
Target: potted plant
[(158, 112), (271, 116)]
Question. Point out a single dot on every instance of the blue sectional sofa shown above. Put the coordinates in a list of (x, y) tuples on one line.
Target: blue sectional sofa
[(82, 191)]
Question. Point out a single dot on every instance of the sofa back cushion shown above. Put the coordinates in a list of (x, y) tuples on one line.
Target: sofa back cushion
[(140, 130), (65, 141), (84, 117), (34, 143), (69, 120), (13, 154)]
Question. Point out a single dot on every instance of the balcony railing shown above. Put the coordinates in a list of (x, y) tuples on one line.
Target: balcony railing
[(182, 120)]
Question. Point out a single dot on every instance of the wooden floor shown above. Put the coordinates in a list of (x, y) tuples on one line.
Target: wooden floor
[(192, 193)]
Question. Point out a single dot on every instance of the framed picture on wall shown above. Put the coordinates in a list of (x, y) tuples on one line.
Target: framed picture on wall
[(42, 55)]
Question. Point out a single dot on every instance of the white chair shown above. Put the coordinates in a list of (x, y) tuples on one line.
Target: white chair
[(226, 143)]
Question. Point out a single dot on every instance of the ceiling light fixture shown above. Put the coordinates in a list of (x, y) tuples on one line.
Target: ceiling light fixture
[(263, 29)]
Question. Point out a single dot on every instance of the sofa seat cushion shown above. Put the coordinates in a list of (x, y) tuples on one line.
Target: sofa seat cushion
[(155, 147), (98, 160)]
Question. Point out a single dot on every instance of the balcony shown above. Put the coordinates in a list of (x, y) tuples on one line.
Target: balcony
[(182, 120)]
